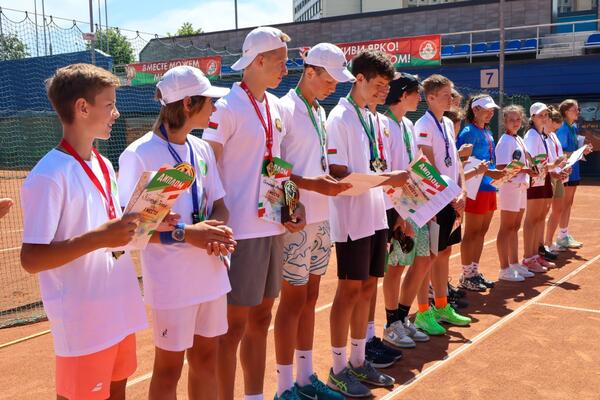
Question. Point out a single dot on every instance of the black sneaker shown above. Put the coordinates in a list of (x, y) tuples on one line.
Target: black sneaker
[(472, 283), (456, 302), (377, 343), (378, 357), (545, 252), (487, 283), (455, 292)]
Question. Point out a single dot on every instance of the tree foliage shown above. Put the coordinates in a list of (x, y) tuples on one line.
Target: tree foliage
[(12, 48)]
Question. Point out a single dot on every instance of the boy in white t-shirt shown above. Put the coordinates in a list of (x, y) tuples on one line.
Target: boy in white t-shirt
[(306, 253), (435, 138), (358, 223), (72, 216), (246, 133), (184, 285)]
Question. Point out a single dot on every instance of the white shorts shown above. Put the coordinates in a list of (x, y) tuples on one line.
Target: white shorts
[(513, 197), (174, 329), (306, 252)]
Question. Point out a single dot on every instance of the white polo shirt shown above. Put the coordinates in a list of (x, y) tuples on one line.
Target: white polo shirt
[(301, 147), (172, 273), (94, 301), (348, 145), (555, 148), (535, 143), (428, 134), (398, 154), (236, 126), (506, 150)]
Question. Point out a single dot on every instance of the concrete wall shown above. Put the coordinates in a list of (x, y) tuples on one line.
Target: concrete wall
[(333, 8), (444, 18)]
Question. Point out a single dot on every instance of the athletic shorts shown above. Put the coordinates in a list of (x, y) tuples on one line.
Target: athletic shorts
[(174, 329), (512, 197), (89, 376), (255, 271), (359, 259), (448, 237), (572, 183), (306, 252), (420, 249), (540, 192), (392, 217), (558, 189), (483, 203)]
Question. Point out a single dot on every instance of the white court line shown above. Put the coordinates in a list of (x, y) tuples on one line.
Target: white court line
[(324, 307), (486, 332), (10, 249), (590, 310)]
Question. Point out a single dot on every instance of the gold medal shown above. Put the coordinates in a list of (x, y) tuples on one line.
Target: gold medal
[(270, 169), (186, 168), (386, 132), (278, 124)]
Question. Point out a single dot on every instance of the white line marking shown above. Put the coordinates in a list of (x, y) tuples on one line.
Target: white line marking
[(324, 307), (10, 249), (486, 332), (568, 308)]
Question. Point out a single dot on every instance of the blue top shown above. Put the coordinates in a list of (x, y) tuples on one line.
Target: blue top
[(568, 140), (483, 149)]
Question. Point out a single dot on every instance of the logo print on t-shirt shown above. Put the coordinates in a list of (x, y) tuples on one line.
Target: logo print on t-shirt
[(164, 333), (516, 155), (278, 124), (97, 388)]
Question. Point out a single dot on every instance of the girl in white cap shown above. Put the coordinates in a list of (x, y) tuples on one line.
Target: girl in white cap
[(185, 280), (478, 212)]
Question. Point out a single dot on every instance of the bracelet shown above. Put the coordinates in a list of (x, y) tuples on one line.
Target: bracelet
[(167, 238)]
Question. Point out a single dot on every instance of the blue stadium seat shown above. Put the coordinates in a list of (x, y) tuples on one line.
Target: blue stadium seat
[(593, 40), (462, 50), (529, 44), (299, 61), (512, 45), (447, 51), (479, 48), (493, 47)]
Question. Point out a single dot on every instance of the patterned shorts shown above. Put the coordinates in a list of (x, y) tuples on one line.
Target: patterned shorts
[(306, 252), (421, 248)]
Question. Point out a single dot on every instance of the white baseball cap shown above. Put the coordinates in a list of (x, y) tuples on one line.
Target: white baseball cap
[(537, 108), (332, 58), (260, 40), (184, 80), (485, 102)]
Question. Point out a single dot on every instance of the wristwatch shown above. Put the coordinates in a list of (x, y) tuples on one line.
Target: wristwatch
[(178, 234)]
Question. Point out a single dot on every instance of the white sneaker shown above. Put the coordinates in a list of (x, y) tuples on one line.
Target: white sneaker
[(523, 271), (557, 247), (414, 333), (396, 335), (510, 274)]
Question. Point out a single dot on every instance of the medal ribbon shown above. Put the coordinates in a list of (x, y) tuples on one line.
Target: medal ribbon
[(320, 132), (405, 135), (107, 195), (268, 125), (369, 130), (443, 132), (178, 160)]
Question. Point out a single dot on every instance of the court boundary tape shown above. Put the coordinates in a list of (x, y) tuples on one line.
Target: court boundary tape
[(482, 335), (569, 308)]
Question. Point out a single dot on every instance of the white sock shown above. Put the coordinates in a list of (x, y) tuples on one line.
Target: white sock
[(357, 352), (285, 378), (563, 233), (339, 359), (469, 270), (370, 330), (304, 367), (513, 266), (253, 397)]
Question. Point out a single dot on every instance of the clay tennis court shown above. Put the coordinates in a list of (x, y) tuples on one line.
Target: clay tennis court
[(532, 340)]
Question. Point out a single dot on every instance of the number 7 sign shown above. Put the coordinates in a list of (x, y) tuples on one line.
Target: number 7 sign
[(489, 78)]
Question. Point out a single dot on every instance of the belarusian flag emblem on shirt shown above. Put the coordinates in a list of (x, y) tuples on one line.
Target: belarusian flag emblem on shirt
[(213, 125), (423, 134), (331, 151)]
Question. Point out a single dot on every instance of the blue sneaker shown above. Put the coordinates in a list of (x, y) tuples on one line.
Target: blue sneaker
[(290, 394), (317, 390)]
